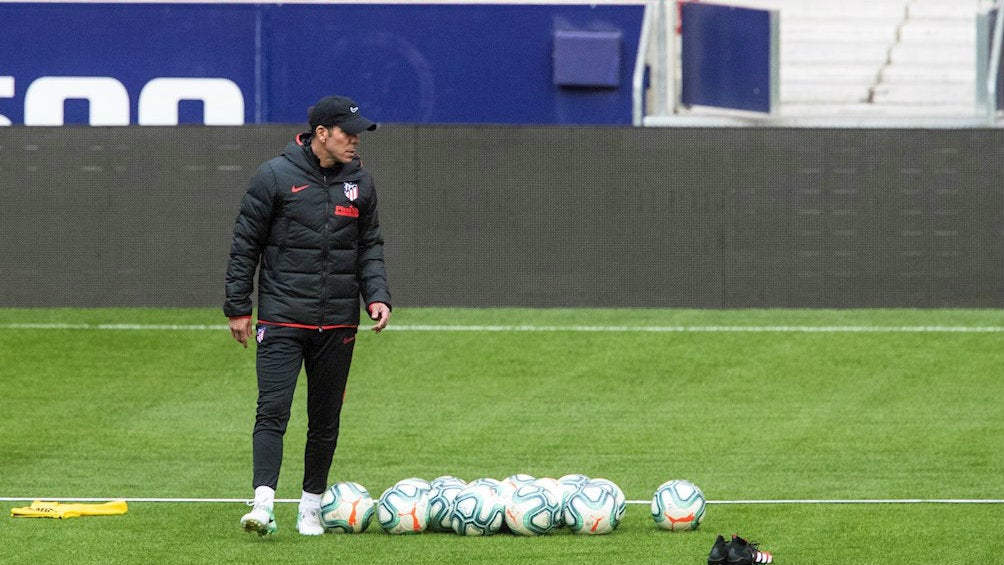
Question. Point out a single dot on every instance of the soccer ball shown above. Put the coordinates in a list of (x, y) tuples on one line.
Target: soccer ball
[(508, 485), (572, 482), (678, 505), (346, 507), (512, 482), (404, 508), (548, 483), (519, 478), (592, 509), (478, 510), (495, 484), (560, 491), (552, 485), (420, 483), (444, 490), (618, 496), (444, 479), (532, 510)]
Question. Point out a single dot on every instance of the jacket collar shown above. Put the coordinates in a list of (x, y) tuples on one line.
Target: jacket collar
[(300, 154)]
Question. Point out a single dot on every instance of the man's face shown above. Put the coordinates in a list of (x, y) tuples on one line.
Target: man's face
[(340, 146)]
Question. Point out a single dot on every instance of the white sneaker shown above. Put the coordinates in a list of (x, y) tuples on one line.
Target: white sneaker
[(308, 522), (260, 520)]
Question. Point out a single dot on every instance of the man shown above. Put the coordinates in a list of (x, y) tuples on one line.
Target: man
[(309, 223)]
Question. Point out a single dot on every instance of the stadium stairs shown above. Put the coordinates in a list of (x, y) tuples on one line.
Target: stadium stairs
[(874, 62)]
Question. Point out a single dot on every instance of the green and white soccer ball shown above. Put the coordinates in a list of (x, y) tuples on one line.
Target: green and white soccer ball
[(509, 484), (619, 497), (678, 505), (591, 510), (532, 510), (444, 491), (560, 491), (494, 483), (512, 482), (420, 483), (445, 479), (572, 482), (478, 510), (346, 507), (404, 507)]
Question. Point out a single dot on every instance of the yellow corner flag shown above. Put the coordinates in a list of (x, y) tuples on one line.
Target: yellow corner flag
[(44, 509)]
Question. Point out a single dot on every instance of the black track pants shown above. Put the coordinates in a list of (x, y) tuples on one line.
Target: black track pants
[(326, 356)]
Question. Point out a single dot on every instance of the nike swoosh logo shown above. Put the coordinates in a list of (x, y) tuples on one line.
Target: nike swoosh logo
[(299, 188), (349, 340)]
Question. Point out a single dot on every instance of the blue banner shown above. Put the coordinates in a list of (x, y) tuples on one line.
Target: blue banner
[(228, 64)]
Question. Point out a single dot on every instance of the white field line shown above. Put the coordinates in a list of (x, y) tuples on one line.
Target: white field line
[(530, 328), (798, 501), (709, 329), (121, 327)]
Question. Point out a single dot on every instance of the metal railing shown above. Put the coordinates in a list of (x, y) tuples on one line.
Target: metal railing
[(654, 37), (641, 66), (993, 74)]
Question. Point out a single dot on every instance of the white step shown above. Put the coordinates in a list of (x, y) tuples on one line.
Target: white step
[(878, 110), (960, 109), (793, 94), (924, 73), (839, 32), (813, 72), (933, 55), (874, 54), (912, 94), (941, 10), (934, 32)]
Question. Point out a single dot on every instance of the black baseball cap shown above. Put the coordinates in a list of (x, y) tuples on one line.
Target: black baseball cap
[(339, 111)]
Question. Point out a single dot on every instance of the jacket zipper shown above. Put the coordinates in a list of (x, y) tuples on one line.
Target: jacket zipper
[(324, 255)]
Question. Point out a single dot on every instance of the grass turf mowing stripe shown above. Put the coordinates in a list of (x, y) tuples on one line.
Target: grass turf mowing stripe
[(531, 328)]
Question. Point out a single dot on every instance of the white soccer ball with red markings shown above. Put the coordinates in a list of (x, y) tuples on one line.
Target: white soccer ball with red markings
[(559, 491), (404, 507), (509, 484), (346, 507), (478, 510), (572, 482), (532, 510), (615, 490), (444, 490), (591, 510), (678, 506)]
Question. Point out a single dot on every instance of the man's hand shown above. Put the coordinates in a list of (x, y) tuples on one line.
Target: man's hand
[(241, 328), (381, 313)]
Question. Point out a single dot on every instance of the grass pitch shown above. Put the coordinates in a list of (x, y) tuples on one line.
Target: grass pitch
[(746, 415)]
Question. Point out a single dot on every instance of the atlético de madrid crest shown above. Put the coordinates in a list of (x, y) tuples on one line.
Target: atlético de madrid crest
[(351, 190)]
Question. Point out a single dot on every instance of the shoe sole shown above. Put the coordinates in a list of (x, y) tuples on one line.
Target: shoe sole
[(256, 527)]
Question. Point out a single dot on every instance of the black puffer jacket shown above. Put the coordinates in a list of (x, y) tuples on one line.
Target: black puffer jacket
[(317, 236)]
